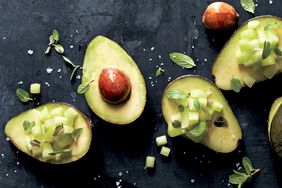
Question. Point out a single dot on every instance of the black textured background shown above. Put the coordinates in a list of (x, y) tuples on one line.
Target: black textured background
[(117, 154)]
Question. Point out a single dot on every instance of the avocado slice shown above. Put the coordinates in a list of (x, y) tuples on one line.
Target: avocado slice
[(20, 138), (220, 138), (227, 66), (104, 53), (275, 126)]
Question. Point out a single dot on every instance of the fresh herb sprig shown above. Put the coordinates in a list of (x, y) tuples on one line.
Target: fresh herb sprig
[(248, 5), (177, 94), (27, 125), (267, 49), (239, 178), (73, 66), (159, 71), (84, 87), (271, 26), (23, 95), (236, 84), (54, 42), (182, 60)]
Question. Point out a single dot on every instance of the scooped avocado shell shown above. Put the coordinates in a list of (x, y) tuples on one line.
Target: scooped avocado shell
[(275, 126), (248, 64), (221, 136), (51, 121), (103, 53)]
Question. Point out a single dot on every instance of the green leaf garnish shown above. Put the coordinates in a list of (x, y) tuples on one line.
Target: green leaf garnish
[(248, 5), (76, 133), (176, 124), (197, 104), (83, 88), (266, 50), (59, 48), (48, 49), (182, 60), (27, 125), (236, 84), (23, 95), (68, 61), (239, 178), (56, 35), (35, 143), (278, 51), (60, 151), (58, 130), (180, 108), (176, 94), (159, 71), (198, 130), (271, 26), (73, 72)]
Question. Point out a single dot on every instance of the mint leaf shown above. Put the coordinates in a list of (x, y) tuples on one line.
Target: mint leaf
[(182, 60), (56, 35), (238, 178), (59, 48), (248, 5), (23, 95), (76, 133), (84, 87), (271, 26), (198, 130), (247, 165), (236, 84), (197, 104), (176, 94), (27, 125), (278, 51), (266, 50)]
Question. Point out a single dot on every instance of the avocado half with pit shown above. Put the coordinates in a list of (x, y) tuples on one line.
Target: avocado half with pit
[(252, 54), (55, 133), (275, 126), (117, 93), (195, 108)]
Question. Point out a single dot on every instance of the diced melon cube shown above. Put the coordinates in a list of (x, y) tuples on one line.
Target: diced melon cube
[(185, 119), (68, 129), (248, 80), (271, 71), (191, 104), (71, 113), (272, 38), (150, 162), (253, 24), (193, 118), (196, 93), (161, 140), (36, 151), (217, 106), (165, 151), (203, 102), (44, 114), (35, 88), (210, 111), (46, 149), (37, 132), (249, 34), (59, 120), (49, 128), (27, 143), (57, 112), (270, 60), (204, 116), (242, 57)]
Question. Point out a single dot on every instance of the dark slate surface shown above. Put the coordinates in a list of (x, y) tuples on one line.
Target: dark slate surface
[(118, 153)]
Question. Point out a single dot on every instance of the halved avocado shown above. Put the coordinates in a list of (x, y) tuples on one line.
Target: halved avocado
[(275, 126), (222, 139), (104, 53), (14, 130), (226, 65)]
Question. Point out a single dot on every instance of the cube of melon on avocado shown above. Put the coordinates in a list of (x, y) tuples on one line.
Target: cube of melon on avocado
[(192, 104), (203, 102), (270, 60), (46, 149), (193, 118), (37, 132), (44, 114), (71, 113), (204, 116), (68, 129), (217, 106), (253, 24), (197, 93), (49, 128), (59, 120), (249, 34), (57, 112)]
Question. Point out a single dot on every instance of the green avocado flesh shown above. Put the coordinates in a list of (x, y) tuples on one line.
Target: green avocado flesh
[(104, 53), (275, 126), (242, 56), (210, 122), (55, 133)]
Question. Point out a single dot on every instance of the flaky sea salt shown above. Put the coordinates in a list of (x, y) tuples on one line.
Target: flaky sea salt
[(49, 70), (30, 52)]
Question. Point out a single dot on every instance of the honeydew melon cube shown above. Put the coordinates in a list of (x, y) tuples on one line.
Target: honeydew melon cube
[(253, 24), (203, 102), (68, 129), (49, 128), (37, 132), (270, 60), (248, 80), (249, 34), (272, 38), (204, 116), (165, 151), (161, 140), (57, 112), (46, 149), (150, 162), (270, 71), (196, 93), (71, 113), (35, 88), (27, 143), (59, 120), (193, 118), (217, 106), (44, 114), (191, 104)]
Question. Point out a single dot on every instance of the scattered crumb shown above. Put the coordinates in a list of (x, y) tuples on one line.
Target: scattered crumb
[(270, 2), (237, 164), (76, 31), (71, 35), (150, 59), (30, 52), (205, 60), (60, 76), (134, 183), (126, 171), (150, 77), (94, 178), (2, 155), (193, 47)]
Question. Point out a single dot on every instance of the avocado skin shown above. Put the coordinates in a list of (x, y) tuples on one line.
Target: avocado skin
[(103, 53), (10, 127), (220, 139), (225, 66)]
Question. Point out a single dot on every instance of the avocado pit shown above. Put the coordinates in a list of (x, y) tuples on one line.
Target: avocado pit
[(114, 85)]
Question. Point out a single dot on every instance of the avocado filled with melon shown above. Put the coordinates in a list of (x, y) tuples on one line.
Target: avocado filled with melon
[(56, 133), (194, 108), (253, 54)]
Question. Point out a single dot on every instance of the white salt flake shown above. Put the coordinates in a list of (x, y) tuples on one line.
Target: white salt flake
[(20, 82), (49, 70), (78, 77), (192, 180), (59, 70), (144, 49), (205, 60), (71, 46), (160, 56), (4, 38), (15, 171), (7, 139), (237, 164), (152, 48), (18, 163), (76, 31), (7, 174), (120, 173), (30, 52)]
